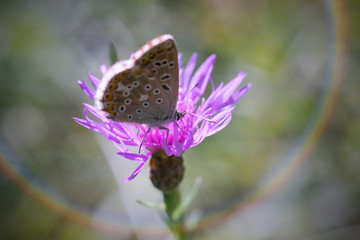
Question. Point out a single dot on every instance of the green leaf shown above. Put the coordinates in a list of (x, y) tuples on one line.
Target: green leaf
[(113, 55), (160, 206), (188, 199)]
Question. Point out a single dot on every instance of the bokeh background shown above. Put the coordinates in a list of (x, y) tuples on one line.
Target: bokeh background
[(286, 167)]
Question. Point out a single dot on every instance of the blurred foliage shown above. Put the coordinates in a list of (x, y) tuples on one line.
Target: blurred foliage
[(283, 46)]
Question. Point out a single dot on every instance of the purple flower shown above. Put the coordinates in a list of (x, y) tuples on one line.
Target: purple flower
[(195, 125)]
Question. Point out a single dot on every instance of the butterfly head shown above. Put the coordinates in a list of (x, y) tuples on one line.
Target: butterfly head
[(179, 115)]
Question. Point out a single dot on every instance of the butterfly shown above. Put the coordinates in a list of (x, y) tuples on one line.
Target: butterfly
[(144, 88)]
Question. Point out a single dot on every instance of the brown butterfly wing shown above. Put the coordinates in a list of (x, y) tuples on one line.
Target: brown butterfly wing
[(143, 89)]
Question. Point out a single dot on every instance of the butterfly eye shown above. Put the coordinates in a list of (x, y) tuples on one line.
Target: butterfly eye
[(165, 77), (166, 87), (135, 84), (159, 100), (122, 108), (156, 91), (146, 104), (147, 87)]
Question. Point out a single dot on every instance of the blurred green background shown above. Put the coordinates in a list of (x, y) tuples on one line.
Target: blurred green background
[(282, 169)]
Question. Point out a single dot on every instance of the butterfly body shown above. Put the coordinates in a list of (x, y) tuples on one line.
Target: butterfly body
[(144, 88)]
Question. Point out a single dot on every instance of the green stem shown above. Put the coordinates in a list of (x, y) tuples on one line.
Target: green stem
[(171, 201)]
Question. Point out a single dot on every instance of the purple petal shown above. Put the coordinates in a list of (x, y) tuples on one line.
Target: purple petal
[(178, 147), (137, 157), (223, 122), (200, 134), (103, 69), (122, 147), (94, 80), (188, 141), (83, 123), (201, 78), (165, 147), (88, 91), (180, 63), (236, 96), (231, 87), (98, 114), (184, 84), (134, 174)]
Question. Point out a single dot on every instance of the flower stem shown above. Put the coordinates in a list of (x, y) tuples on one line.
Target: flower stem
[(176, 225)]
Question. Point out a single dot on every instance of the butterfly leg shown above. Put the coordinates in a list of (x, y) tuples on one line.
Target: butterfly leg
[(180, 128), (167, 132), (142, 141)]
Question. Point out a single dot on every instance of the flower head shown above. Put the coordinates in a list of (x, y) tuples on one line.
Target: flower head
[(195, 126)]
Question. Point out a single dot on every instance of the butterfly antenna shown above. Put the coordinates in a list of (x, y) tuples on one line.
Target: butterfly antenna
[(187, 95), (180, 128), (206, 119)]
